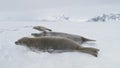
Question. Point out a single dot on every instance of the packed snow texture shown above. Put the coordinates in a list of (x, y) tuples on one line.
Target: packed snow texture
[(15, 56)]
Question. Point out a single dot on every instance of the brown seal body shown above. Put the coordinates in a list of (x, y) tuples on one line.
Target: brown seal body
[(76, 38), (52, 44)]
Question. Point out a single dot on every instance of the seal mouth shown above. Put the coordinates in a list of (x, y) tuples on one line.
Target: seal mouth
[(16, 42)]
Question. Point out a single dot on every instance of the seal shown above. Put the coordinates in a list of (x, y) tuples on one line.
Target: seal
[(53, 44), (77, 38)]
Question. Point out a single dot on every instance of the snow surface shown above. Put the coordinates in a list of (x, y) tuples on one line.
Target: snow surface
[(106, 34)]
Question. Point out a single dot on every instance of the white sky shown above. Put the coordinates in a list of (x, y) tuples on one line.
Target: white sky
[(39, 4)]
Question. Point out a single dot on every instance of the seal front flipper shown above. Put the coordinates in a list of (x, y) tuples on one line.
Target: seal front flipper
[(50, 50)]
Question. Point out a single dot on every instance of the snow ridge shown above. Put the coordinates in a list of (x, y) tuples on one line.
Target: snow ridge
[(106, 17)]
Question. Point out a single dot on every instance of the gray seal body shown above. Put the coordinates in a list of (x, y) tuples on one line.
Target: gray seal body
[(77, 38)]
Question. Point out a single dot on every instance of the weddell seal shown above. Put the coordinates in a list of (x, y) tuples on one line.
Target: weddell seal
[(77, 38), (55, 45)]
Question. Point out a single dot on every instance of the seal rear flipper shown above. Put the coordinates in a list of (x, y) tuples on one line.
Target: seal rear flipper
[(86, 39), (92, 51)]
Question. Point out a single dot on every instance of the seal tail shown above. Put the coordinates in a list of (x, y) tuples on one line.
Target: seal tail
[(85, 39), (89, 50)]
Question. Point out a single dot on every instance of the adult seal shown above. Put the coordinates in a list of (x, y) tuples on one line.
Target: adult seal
[(77, 38), (53, 44)]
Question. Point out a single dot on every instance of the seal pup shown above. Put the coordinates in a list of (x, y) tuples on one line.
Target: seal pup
[(77, 38), (52, 43)]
